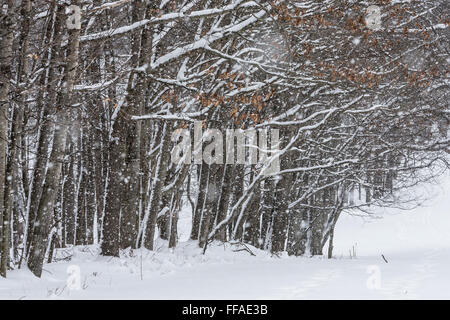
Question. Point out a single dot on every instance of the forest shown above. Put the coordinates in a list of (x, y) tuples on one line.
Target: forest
[(94, 95)]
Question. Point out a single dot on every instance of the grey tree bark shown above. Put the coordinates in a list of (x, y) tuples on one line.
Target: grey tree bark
[(6, 33)]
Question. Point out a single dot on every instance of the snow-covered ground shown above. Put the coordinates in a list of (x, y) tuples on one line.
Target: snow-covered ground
[(416, 245)]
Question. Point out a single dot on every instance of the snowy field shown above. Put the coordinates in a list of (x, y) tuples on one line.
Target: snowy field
[(415, 244)]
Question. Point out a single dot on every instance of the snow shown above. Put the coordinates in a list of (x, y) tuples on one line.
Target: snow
[(164, 19), (396, 231), (416, 245)]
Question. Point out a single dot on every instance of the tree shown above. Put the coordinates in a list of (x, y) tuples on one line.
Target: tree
[(90, 106)]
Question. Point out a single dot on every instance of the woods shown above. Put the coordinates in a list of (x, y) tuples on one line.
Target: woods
[(92, 94)]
